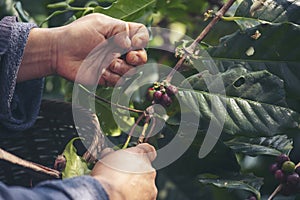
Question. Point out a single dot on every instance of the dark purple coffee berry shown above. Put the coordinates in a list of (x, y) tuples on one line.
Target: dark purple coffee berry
[(157, 96), (298, 187), (293, 179), (273, 168), (297, 170), (280, 176), (150, 93), (252, 198), (171, 90), (288, 189), (281, 159), (166, 100), (288, 167)]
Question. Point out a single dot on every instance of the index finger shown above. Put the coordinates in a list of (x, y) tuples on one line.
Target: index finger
[(139, 35)]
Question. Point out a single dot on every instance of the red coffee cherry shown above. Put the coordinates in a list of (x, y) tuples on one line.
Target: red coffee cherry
[(166, 100), (157, 96), (171, 90)]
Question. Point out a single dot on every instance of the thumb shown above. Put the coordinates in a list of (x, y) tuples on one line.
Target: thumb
[(146, 149)]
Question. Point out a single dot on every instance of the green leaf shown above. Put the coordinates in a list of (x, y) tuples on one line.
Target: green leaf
[(242, 116), (240, 182), (274, 146), (286, 71), (75, 165), (260, 86), (126, 9), (271, 10), (277, 42), (21, 12), (111, 123)]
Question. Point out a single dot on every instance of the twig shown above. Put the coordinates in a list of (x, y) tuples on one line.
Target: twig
[(151, 129), (200, 37), (279, 187), (143, 134), (132, 130), (109, 102), (31, 165)]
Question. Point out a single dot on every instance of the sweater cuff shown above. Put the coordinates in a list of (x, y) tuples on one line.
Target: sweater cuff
[(19, 103), (81, 187)]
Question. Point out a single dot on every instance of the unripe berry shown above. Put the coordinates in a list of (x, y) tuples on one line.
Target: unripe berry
[(172, 90), (273, 168), (166, 100), (150, 93), (280, 176), (293, 179), (288, 167), (281, 159), (157, 96)]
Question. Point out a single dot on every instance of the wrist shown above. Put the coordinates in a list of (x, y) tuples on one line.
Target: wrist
[(112, 192), (38, 55)]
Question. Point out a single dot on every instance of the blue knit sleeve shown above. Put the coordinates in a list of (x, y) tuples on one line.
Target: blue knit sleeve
[(78, 188), (19, 103)]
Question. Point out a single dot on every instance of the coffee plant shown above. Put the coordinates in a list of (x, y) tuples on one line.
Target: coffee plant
[(255, 48)]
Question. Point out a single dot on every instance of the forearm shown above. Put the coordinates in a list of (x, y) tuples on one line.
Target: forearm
[(38, 55)]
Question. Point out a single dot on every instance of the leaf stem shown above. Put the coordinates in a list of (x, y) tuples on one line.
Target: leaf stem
[(109, 102), (132, 130), (279, 187), (200, 37), (80, 8)]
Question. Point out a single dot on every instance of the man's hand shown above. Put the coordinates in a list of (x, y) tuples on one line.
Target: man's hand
[(128, 174), (85, 50)]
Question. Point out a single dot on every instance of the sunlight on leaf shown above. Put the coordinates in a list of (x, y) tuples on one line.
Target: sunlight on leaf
[(75, 165)]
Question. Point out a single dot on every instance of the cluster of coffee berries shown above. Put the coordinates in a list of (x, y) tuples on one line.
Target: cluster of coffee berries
[(287, 173), (162, 93)]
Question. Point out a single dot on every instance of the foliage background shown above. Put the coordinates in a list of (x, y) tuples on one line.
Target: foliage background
[(181, 179)]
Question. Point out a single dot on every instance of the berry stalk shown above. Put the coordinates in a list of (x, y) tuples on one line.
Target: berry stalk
[(279, 187), (143, 134), (132, 130)]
